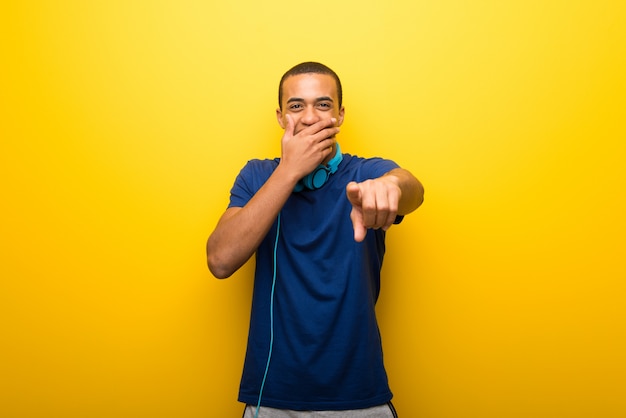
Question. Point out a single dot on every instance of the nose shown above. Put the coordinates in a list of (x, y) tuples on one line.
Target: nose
[(310, 116)]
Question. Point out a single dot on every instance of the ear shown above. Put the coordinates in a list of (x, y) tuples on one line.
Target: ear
[(279, 117), (342, 112)]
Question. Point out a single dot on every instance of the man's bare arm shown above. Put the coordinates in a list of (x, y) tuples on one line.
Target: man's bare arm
[(240, 231)]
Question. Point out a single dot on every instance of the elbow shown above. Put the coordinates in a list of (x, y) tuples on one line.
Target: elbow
[(217, 266), (420, 194), (219, 270), (220, 273), (414, 193)]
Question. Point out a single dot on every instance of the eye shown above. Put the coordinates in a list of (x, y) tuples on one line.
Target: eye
[(295, 106), (325, 105)]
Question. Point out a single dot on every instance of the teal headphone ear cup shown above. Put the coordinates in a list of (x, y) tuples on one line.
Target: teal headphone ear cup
[(318, 177)]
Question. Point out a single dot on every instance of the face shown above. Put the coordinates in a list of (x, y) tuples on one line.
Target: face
[(309, 98)]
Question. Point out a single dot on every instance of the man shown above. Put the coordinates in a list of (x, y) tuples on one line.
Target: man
[(316, 219)]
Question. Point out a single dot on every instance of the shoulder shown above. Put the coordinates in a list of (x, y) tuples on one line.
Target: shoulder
[(261, 164), (258, 168), (250, 179)]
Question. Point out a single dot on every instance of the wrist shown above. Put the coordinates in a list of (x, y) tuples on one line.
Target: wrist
[(286, 175)]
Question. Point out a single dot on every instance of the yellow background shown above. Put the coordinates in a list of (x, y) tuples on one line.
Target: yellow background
[(124, 123)]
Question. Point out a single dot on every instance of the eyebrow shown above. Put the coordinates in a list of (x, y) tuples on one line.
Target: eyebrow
[(319, 99)]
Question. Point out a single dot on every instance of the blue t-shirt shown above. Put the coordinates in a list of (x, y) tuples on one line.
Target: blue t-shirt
[(327, 352)]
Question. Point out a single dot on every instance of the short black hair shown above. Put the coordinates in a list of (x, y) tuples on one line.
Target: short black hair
[(309, 67)]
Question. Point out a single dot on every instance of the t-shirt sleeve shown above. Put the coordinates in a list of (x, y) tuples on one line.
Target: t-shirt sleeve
[(373, 168), (249, 180)]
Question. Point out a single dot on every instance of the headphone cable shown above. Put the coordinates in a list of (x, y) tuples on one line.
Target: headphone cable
[(269, 356)]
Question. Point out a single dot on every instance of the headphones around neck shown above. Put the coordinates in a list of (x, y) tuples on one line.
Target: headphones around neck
[(318, 177)]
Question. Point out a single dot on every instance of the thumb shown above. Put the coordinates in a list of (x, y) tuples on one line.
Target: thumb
[(353, 192)]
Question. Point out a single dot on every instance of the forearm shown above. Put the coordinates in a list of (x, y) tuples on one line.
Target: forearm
[(240, 230), (411, 190)]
